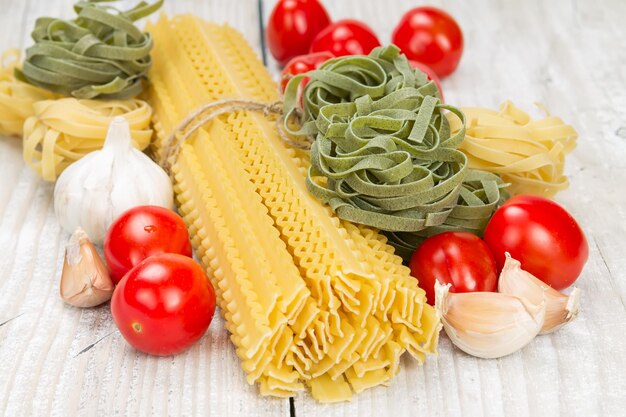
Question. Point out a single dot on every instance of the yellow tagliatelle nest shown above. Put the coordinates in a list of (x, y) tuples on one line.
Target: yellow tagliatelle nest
[(528, 154), (63, 131), (16, 97)]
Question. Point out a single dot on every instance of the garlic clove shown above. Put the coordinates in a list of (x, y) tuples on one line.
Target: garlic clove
[(85, 280), (560, 308), (488, 324)]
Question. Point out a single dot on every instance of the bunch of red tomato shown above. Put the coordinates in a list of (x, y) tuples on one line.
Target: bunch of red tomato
[(301, 37), (536, 231), (163, 301)]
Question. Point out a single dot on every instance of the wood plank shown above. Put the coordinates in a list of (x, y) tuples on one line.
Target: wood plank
[(59, 360), (554, 53)]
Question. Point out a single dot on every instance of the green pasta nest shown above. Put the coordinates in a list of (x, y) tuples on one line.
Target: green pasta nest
[(382, 153), (100, 54)]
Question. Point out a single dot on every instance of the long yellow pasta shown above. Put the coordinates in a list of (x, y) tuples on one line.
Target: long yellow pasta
[(309, 300), (64, 130), (528, 154), (16, 97)]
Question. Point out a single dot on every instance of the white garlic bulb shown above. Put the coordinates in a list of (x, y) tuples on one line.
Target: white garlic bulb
[(92, 192)]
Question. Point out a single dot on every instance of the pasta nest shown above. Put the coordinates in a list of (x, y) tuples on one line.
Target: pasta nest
[(62, 131), (529, 154), (16, 97)]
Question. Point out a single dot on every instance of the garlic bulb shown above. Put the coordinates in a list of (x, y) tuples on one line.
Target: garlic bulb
[(488, 324), (85, 280), (92, 192), (560, 308)]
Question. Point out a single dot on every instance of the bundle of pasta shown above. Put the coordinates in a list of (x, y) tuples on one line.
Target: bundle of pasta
[(308, 299), (528, 154)]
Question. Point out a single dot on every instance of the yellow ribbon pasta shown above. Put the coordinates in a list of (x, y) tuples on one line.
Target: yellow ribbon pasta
[(63, 131), (16, 97), (528, 154)]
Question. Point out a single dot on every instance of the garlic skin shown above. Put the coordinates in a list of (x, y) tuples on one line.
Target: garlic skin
[(560, 308), (85, 280), (92, 192), (488, 324)]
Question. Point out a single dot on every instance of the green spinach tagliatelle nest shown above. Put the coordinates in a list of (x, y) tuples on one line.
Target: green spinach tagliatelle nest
[(382, 153), (100, 54)]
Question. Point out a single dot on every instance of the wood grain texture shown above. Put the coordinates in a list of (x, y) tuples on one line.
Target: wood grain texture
[(568, 55), (565, 55)]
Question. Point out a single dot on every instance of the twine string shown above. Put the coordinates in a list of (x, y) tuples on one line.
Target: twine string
[(209, 111)]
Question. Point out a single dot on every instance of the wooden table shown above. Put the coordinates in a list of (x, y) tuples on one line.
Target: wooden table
[(568, 55)]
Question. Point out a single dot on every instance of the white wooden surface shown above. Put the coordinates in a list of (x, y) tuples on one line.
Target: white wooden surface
[(569, 55)]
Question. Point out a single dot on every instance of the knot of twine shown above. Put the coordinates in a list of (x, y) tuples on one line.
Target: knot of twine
[(209, 111)]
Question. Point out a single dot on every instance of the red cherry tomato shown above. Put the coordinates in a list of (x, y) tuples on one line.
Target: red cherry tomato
[(302, 64), (431, 36), (458, 258), (164, 304), (292, 26), (429, 73), (542, 236), (346, 37), (140, 232)]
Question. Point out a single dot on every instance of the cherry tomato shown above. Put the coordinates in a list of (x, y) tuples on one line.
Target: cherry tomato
[(458, 258), (429, 73), (164, 304), (140, 232), (346, 37), (292, 26), (302, 64), (430, 36), (542, 236)]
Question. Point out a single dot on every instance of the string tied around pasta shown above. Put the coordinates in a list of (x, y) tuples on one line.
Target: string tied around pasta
[(209, 111)]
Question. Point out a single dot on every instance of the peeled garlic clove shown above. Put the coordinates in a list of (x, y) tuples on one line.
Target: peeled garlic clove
[(560, 308), (488, 324), (85, 280)]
